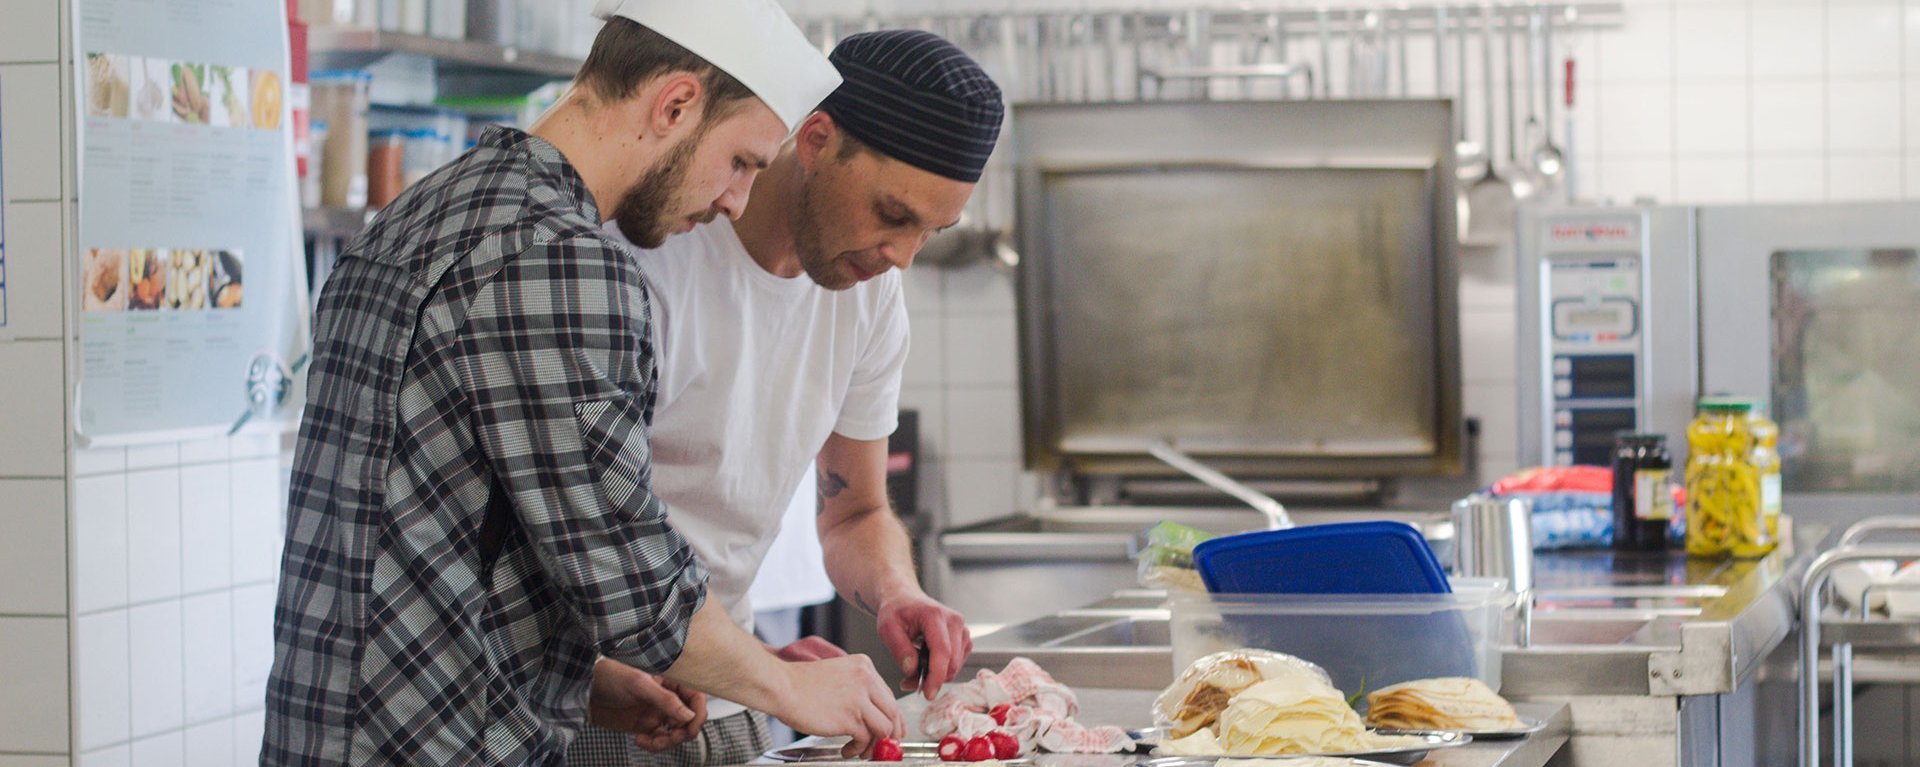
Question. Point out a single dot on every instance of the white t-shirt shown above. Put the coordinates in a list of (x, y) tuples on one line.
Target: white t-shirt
[(755, 372)]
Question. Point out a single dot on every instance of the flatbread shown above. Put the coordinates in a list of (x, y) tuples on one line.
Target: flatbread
[(1446, 703)]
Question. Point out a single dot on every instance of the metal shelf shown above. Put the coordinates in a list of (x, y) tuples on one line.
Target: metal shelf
[(332, 47), (337, 223)]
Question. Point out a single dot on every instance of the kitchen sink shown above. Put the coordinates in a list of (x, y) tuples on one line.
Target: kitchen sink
[(1550, 632)]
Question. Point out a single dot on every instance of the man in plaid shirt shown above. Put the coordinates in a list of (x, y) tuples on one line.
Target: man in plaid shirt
[(471, 524)]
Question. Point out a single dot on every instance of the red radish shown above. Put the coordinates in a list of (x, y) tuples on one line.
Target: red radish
[(888, 750), (1005, 746), (999, 713), (979, 749), (953, 748)]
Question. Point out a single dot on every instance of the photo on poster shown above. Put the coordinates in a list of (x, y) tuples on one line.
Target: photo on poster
[(224, 283), (152, 84), (268, 99), (147, 276), (229, 93), (188, 272), (109, 84), (190, 102), (103, 280)]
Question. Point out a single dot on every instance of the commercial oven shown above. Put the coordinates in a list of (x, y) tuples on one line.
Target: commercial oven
[(1629, 314)]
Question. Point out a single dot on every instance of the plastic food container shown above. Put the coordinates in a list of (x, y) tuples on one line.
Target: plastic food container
[(1365, 642)]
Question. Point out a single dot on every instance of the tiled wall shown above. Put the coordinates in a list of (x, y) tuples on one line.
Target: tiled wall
[(1700, 101), (136, 584)]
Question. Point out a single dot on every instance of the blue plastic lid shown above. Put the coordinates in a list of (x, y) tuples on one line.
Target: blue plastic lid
[(339, 74), (1344, 558)]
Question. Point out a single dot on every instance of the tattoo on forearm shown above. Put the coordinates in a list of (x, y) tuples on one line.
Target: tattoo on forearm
[(860, 600), (831, 483)]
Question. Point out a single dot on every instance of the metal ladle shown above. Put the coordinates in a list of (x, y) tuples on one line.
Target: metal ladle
[(1276, 514), (1490, 198), (1548, 160)]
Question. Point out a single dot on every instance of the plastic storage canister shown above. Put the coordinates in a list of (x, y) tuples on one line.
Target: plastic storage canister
[(1642, 497), (425, 152), (386, 158), (1723, 483), (340, 100), (310, 183)]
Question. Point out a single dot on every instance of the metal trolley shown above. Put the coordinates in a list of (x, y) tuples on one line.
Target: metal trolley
[(1843, 630)]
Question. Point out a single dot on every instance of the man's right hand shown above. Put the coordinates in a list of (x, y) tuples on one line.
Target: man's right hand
[(840, 696)]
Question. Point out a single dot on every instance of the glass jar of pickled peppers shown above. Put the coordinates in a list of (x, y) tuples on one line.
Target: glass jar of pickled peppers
[(1726, 464)]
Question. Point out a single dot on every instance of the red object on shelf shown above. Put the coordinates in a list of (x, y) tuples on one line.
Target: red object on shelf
[(297, 94)]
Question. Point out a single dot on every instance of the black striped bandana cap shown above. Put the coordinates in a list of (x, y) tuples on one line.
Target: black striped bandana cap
[(917, 98)]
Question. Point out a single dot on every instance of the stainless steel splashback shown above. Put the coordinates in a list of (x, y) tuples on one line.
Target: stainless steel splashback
[(1270, 285)]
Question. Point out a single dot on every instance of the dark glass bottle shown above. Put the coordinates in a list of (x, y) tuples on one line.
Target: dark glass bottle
[(1642, 493)]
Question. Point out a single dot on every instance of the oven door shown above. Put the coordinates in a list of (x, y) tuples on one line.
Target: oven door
[(1817, 308)]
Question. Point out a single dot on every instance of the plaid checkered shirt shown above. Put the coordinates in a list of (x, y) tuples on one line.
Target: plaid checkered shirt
[(471, 522)]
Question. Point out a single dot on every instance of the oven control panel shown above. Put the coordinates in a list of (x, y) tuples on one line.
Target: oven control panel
[(1594, 329)]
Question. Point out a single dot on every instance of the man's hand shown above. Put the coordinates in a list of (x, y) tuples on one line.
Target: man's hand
[(908, 622), (809, 648), (658, 713), (839, 696)]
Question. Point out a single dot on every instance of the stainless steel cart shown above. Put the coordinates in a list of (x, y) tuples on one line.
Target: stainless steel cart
[(1843, 630)]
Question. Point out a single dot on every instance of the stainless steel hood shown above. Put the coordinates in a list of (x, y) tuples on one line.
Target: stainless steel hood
[(1268, 285)]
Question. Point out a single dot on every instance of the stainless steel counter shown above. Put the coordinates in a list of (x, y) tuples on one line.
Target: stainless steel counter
[(1131, 708)]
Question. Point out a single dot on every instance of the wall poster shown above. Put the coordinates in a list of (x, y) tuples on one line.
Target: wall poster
[(189, 278)]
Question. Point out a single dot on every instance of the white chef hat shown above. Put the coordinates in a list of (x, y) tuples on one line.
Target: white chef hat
[(753, 40)]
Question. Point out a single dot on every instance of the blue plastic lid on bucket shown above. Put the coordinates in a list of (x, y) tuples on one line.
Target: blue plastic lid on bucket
[(1379, 557)]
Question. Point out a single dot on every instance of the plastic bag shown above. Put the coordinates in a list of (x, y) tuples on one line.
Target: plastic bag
[(1194, 701), (1166, 561)]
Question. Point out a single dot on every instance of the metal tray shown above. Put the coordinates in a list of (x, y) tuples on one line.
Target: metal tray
[(1411, 754), (828, 750), (1212, 761), (1527, 727)]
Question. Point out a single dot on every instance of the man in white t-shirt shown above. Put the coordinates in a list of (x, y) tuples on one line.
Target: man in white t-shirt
[(781, 339)]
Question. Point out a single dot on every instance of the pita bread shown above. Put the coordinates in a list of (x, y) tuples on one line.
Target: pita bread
[(1446, 703), (1195, 700)]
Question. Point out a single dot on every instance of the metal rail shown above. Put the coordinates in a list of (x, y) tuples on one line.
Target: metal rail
[(1813, 587)]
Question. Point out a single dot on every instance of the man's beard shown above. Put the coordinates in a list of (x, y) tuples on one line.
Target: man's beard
[(643, 212), (818, 263)]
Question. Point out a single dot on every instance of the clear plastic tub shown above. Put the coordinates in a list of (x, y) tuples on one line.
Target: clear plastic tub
[(1365, 642)]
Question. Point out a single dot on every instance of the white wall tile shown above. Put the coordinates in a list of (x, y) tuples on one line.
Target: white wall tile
[(153, 535), (926, 357), (207, 665), (980, 490), (1626, 180), (978, 289), (111, 756), (101, 649), (88, 461), (921, 289), (33, 684), (1863, 39), (1488, 341), (1497, 406), (1864, 177), (255, 443), (1789, 116), (248, 731), (22, 760), (157, 671), (32, 401), (1714, 179), (35, 279), (99, 542), (983, 423), (155, 455), (1640, 50), (30, 116), (33, 550), (1913, 176), (1711, 116), (207, 450), (1864, 115), (32, 31), (1710, 40), (1786, 43), (206, 525), (212, 744), (252, 646), (1789, 178), (258, 506), (168, 750), (982, 349)]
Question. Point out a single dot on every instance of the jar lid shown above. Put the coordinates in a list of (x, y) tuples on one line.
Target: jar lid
[(1725, 405), (1638, 438)]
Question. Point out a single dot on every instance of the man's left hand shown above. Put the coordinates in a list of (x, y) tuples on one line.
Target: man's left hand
[(907, 623)]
